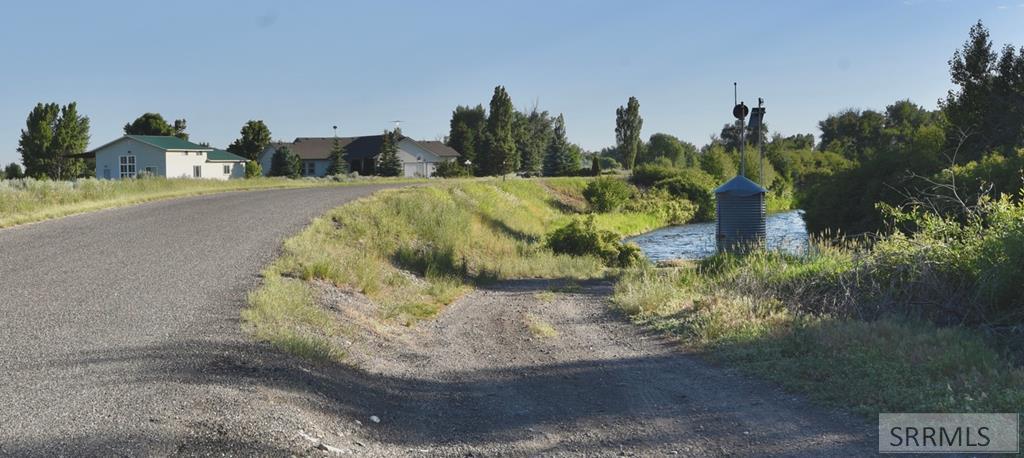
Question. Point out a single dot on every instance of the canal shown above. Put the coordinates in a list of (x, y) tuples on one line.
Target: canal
[(785, 231)]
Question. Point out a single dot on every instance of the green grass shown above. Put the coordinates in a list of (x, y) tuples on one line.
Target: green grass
[(27, 200), (412, 251), (545, 296), (539, 327), (739, 311), (284, 313)]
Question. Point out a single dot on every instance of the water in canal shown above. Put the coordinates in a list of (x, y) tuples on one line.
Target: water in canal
[(785, 231)]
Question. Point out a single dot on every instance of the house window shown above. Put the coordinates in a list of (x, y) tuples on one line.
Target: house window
[(151, 170), (127, 166), (227, 170), (310, 168), (197, 171)]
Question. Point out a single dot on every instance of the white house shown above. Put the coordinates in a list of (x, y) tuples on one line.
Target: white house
[(419, 158), (164, 156)]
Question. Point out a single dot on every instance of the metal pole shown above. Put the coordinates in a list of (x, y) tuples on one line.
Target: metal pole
[(743, 160), (760, 144), (743, 147)]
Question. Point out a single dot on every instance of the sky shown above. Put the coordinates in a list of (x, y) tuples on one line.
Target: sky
[(305, 66)]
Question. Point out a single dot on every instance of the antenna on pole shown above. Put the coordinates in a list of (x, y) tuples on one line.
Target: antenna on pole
[(398, 123), (740, 112)]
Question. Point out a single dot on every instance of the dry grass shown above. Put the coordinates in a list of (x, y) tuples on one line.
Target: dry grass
[(27, 200), (539, 327), (741, 311), (545, 296)]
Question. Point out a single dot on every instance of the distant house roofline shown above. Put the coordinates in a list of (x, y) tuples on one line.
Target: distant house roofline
[(164, 142), (356, 148)]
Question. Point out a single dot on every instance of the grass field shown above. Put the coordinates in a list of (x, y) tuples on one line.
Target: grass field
[(27, 200)]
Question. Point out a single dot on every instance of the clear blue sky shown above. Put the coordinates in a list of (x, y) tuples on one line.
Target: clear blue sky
[(305, 66)]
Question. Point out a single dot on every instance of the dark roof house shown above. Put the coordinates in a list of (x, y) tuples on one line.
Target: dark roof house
[(419, 157)]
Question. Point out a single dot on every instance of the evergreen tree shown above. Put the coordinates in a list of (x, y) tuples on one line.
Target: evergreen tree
[(253, 169), (388, 163), (285, 164), (558, 160), (466, 134), (51, 134), (627, 132), (255, 138), (339, 165), (533, 132), (499, 156), (986, 111), (595, 166)]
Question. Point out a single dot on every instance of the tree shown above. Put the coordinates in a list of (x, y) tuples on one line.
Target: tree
[(682, 154), (255, 138), (154, 124), (499, 156), (388, 162), (717, 163), (985, 112), (534, 131), (854, 134), (627, 131), (253, 169), (284, 163), (450, 169), (13, 171), (559, 160), (339, 165), (730, 136), (51, 134), (466, 131)]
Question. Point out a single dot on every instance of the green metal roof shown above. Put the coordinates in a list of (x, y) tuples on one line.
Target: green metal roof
[(167, 142), (221, 155)]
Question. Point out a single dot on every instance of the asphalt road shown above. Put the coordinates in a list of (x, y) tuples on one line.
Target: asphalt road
[(119, 327)]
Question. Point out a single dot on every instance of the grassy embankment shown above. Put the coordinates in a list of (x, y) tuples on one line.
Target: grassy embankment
[(414, 250), (27, 200), (910, 324)]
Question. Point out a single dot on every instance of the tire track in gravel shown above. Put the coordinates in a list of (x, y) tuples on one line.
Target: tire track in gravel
[(476, 381)]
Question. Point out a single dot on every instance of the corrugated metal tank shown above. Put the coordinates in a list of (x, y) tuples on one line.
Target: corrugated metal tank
[(740, 219)]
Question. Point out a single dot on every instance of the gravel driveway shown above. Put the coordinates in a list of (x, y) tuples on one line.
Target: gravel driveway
[(477, 381)]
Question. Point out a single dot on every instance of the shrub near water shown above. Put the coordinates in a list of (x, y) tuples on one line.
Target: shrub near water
[(581, 237), (695, 186), (689, 184), (607, 194)]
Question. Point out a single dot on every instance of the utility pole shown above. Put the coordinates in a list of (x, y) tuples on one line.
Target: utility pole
[(758, 116), (740, 111)]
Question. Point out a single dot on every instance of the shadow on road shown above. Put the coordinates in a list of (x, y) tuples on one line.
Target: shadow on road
[(476, 407)]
